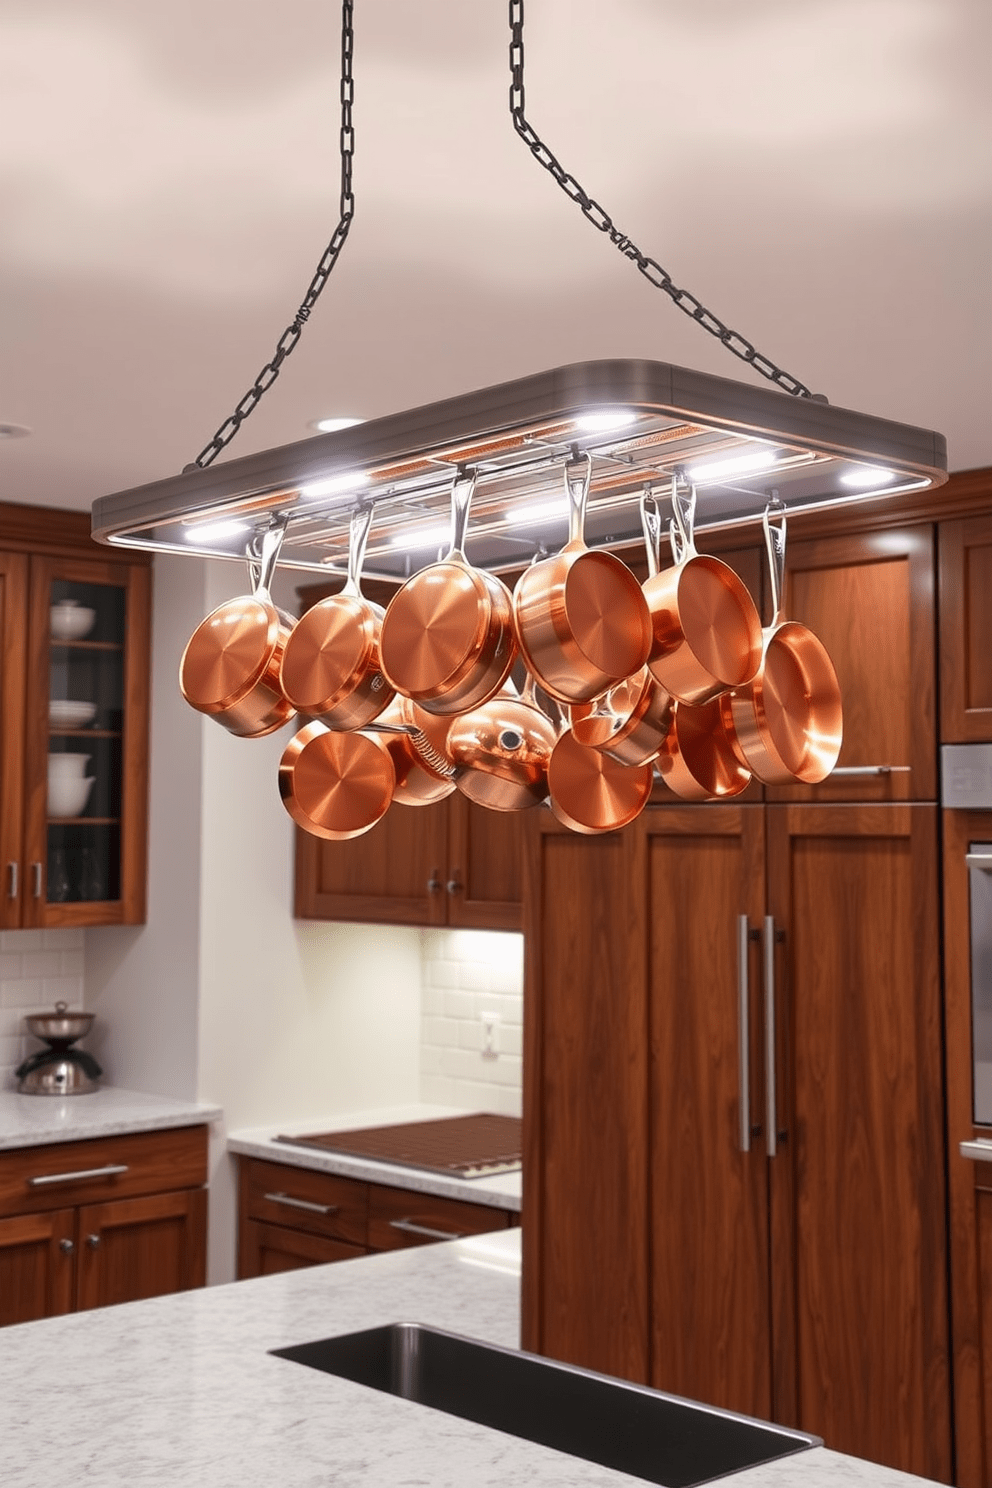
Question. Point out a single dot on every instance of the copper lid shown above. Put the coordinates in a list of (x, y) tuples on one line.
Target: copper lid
[(590, 792), (434, 628), (335, 785), (228, 654), (329, 649)]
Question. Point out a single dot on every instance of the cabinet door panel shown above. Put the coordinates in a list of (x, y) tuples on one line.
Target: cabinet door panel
[(13, 598), (399, 1218), (709, 1199), (36, 1273), (859, 1244), (384, 876), (585, 1211), (870, 599), (485, 866), (130, 1249), (265, 1249), (965, 628)]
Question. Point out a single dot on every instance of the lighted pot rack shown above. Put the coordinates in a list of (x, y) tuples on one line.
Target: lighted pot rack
[(649, 419)]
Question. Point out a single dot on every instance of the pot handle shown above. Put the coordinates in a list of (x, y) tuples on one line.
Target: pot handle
[(651, 526), (462, 491), (361, 522), (578, 476), (681, 530), (263, 555), (773, 521)]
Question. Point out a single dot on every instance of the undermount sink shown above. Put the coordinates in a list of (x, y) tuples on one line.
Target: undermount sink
[(619, 1425)]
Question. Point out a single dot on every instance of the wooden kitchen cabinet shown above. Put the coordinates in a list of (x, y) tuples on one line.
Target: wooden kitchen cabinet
[(966, 628), (90, 1223), (290, 1217), (88, 868), (808, 1285)]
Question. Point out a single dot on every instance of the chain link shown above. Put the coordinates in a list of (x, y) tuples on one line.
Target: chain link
[(291, 335), (590, 208)]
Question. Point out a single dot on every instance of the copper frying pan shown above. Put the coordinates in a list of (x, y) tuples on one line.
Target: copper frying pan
[(581, 619), (230, 667), (447, 639), (335, 785), (697, 759), (330, 667), (501, 750), (706, 632), (788, 723), (590, 792)]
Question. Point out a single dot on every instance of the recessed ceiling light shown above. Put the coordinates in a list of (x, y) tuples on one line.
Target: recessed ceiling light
[(13, 431), (214, 531), (715, 470), (335, 485), (332, 425), (608, 418), (866, 476)]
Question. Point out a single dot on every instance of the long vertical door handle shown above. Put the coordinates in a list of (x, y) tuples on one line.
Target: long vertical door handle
[(743, 1030), (36, 872), (12, 870), (770, 1113)]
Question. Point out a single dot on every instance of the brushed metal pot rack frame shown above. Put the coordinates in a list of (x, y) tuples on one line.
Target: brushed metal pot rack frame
[(639, 420)]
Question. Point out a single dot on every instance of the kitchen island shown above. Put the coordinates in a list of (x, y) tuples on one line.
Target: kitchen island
[(183, 1390)]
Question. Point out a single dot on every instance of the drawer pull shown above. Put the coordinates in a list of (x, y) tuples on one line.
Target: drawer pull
[(110, 1171), (854, 770), (93, 1241), (409, 1227), (291, 1203), (66, 1247)]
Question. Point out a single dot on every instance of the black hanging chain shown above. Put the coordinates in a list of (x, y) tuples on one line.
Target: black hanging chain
[(652, 270), (287, 341)]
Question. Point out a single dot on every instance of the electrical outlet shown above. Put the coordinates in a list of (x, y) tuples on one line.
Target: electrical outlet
[(490, 1035)]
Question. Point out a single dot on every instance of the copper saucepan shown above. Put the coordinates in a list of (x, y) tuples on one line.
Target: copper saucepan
[(447, 640), (697, 759), (590, 792), (230, 667), (706, 632), (417, 744), (788, 723), (501, 751), (581, 619), (330, 667), (335, 785)]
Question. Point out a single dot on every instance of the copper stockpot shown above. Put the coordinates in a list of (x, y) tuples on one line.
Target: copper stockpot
[(335, 785), (706, 632), (788, 723), (590, 792), (581, 619), (697, 759), (501, 751), (230, 668), (417, 744), (447, 639), (330, 667)]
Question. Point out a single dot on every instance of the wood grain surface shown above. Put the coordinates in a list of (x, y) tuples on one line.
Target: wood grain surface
[(965, 629)]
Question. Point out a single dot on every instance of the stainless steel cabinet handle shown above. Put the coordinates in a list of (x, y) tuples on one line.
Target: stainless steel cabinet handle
[(770, 1112), (980, 1150), (92, 1241), (409, 1227), (455, 886), (744, 1035), (13, 871), (66, 1247), (291, 1203), (981, 861), (110, 1171), (871, 770), (37, 874), (433, 883)]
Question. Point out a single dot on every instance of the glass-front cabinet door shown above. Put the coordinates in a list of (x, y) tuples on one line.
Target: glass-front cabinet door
[(86, 770), (13, 601)]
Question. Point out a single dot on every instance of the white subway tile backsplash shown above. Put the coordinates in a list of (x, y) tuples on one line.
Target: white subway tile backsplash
[(21, 940), (466, 973), (23, 993)]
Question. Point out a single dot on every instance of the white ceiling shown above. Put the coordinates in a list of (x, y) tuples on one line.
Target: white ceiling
[(818, 173)]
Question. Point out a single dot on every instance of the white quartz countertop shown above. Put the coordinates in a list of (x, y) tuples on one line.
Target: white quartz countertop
[(182, 1390), (502, 1191), (33, 1120)]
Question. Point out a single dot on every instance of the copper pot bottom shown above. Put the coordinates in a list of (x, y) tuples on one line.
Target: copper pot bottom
[(590, 792), (697, 760), (447, 640), (706, 633), (230, 668), (335, 785), (788, 725), (330, 668)]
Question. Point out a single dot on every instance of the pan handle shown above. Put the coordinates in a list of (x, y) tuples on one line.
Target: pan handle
[(263, 555), (462, 491), (682, 528), (773, 521), (651, 526), (361, 521), (578, 476)]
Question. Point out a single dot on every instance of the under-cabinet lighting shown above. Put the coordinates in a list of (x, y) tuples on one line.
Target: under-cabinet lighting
[(866, 476), (601, 423), (715, 470), (215, 531), (335, 485), (332, 425)]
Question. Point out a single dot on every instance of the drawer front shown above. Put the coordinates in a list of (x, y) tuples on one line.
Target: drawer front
[(399, 1217), (91, 1172), (266, 1249), (304, 1199)]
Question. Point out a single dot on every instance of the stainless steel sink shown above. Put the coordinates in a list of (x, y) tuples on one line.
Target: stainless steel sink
[(628, 1427)]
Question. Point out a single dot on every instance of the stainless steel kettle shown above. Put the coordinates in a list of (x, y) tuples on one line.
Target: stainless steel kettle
[(59, 1069)]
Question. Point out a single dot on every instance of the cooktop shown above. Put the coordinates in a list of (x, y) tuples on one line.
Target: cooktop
[(471, 1146)]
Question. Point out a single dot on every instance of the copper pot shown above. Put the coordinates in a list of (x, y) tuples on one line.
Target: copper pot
[(335, 785), (788, 723), (501, 751), (417, 744), (581, 619), (447, 638), (697, 760), (706, 632), (590, 792), (629, 723), (330, 666), (230, 668)]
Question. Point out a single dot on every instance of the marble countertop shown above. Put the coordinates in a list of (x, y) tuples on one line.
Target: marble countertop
[(181, 1389), (502, 1191), (33, 1120)]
